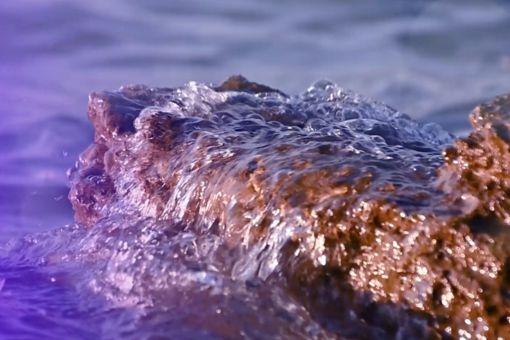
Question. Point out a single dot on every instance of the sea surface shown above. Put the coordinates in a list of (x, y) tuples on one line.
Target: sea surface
[(434, 60)]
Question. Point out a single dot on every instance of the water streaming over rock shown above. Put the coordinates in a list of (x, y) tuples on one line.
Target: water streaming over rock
[(237, 210)]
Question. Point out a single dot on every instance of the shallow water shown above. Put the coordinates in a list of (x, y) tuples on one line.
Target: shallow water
[(434, 60)]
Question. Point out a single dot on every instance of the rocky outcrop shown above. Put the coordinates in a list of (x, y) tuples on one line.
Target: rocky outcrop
[(378, 225)]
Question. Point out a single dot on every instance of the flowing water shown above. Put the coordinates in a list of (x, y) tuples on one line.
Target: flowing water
[(434, 60)]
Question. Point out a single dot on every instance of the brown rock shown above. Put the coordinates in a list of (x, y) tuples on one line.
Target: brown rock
[(345, 202)]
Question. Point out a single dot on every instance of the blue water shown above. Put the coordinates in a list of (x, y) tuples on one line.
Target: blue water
[(434, 60)]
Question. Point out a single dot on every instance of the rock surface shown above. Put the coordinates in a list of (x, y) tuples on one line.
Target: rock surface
[(379, 226)]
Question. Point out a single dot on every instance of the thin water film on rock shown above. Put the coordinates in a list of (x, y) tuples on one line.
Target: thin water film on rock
[(320, 215)]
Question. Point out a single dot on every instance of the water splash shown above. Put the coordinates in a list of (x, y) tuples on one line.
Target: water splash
[(238, 210)]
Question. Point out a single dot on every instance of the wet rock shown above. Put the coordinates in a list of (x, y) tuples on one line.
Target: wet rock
[(381, 227)]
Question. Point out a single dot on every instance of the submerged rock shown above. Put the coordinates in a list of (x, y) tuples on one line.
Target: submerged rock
[(379, 226)]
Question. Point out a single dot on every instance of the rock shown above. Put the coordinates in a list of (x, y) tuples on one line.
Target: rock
[(349, 205)]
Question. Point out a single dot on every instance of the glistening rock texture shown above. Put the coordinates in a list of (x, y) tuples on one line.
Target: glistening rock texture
[(346, 204)]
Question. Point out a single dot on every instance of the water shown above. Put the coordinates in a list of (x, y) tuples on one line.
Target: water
[(434, 60), (149, 262)]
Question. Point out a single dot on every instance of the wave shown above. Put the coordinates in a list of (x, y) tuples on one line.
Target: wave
[(238, 210)]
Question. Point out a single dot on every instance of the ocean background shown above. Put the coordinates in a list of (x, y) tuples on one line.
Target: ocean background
[(434, 60)]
